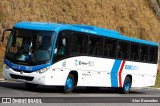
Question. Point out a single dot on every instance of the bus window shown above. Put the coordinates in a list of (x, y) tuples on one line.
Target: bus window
[(153, 55), (144, 53), (123, 49), (45, 43), (95, 46), (61, 48), (109, 48), (80, 45), (134, 55)]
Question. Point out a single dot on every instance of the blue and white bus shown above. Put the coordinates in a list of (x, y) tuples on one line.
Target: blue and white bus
[(72, 55)]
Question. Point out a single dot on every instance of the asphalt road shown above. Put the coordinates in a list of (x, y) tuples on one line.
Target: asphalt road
[(17, 89)]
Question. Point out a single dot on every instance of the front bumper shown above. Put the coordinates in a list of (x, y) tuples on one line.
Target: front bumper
[(47, 78)]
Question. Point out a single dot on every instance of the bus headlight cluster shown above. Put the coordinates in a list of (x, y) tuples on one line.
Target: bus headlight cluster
[(43, 70), (6, 66)]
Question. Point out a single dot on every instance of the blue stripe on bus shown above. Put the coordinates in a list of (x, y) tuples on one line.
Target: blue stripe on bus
[(25, 68), (114, 71)]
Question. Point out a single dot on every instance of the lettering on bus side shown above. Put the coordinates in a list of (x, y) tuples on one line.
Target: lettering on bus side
[(89, 63), (28, 68), (16, 67), (131, 67)]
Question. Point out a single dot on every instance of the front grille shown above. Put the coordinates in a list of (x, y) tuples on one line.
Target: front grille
[(23, 71), (21, 77)]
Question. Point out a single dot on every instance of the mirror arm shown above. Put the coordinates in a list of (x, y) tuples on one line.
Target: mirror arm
[(4, 35)]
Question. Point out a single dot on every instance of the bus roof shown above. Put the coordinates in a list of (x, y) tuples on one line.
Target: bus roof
[(80, 28)]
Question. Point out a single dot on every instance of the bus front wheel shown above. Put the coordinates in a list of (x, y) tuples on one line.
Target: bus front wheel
[(69, 85)]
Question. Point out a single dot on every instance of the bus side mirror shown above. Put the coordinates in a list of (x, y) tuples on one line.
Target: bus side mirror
[(3, 34), (55, 51)]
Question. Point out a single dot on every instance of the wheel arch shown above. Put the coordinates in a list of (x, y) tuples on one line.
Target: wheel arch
[(75, 74), (130, 76)]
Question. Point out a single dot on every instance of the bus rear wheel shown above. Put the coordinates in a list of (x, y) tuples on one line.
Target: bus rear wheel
[(69, 85), (126, 85)]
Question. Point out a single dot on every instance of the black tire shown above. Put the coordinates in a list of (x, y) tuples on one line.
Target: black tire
[(70, 84), (126, 86), (31, 86)]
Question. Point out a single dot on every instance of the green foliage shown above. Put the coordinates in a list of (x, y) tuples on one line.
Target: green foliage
[(158, 81)]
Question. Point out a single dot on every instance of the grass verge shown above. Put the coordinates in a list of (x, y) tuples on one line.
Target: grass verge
[(1, 65), (157, 85)]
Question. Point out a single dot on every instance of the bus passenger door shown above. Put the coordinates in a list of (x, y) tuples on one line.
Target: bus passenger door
[(62, 47)]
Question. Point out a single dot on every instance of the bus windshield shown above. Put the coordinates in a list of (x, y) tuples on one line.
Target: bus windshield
[(30, 47)]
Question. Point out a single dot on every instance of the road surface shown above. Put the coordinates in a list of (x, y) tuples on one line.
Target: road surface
[(18, 89), (12, 89)]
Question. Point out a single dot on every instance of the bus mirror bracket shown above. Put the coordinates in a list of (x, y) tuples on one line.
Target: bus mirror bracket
[(3, 34)]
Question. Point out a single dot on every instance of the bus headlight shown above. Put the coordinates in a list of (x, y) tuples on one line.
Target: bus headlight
[(6, 66), (43, 70)]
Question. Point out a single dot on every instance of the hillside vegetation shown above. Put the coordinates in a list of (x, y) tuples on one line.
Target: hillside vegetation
[(134, 18)]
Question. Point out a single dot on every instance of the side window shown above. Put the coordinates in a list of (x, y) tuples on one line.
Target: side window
[(153, 54), (95, 46), (61, 45), (144, 53), (61, 49), (110, 48), (123, 50), (134, 55), (80, 44)]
